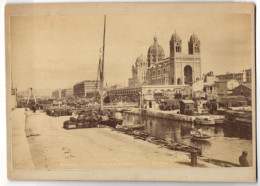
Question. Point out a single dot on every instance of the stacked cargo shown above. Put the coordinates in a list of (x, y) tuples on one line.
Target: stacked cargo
[(91, 118), (84, 120), (56, 112)]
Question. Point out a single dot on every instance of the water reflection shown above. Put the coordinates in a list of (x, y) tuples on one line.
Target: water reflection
[(218, 146)]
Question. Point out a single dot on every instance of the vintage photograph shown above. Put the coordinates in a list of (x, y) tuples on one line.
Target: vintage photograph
[(114, 90)]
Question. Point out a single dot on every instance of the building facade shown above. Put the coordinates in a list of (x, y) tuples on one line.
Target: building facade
[(177, 69), (248, 75), (65, 93), (86, 88), (225, 87), (241, 77), (57, 94), (145, 95), (243, 90)]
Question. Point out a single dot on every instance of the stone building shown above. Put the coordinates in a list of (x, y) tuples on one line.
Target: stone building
[(86, 88), (177, 69), (225, 87), (240, 77), (65, 93), (243, 90), (248, 76), (139, 72), (57, 94), (167, 76)]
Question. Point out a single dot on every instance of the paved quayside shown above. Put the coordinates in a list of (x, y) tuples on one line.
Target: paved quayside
[(53, 147)]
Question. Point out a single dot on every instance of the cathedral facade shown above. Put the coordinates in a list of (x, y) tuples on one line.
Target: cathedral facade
[(177, 69)]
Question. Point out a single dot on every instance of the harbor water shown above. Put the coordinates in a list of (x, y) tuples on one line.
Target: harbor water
[(226, 144)]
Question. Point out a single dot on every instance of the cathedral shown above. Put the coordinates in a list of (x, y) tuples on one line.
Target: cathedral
[(177, 69)]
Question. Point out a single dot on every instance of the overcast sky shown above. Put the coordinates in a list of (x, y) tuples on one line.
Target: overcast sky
[(51, 52)]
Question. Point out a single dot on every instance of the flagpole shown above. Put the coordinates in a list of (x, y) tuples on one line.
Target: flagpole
[(102, 67)]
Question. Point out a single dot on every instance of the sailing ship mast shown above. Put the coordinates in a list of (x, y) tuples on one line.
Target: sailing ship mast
[(102, 67)]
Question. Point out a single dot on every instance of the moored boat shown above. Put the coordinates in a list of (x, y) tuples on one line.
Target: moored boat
[(202, 137), (204, 121), (219, 121)]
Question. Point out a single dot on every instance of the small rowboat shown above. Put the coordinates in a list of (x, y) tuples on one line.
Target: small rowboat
[(130, 127), (203, 137)]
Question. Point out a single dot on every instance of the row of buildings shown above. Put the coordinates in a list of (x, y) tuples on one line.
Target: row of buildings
[(180, 73), (87, 88), (62, 93)]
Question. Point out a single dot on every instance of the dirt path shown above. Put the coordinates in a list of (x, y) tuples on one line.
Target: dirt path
[(53, 147)]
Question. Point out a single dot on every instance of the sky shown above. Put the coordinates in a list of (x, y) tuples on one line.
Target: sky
[(53, 52)]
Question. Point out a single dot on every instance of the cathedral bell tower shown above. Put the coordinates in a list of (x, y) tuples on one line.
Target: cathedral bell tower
[(194, 44), (175, 45)]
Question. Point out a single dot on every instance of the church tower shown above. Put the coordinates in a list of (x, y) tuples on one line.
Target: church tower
[(175, 45), (194, 44)]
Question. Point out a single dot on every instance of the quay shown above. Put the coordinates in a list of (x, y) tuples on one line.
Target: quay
[(49, 146), (171, 115)]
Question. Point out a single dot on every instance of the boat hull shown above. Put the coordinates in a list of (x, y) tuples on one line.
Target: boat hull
[(203, 122), (202, 138)]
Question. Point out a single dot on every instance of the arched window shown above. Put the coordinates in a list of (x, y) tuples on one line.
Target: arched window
[(179, 81), (197, 48), (178, 48), (158, 72), (153, 73)]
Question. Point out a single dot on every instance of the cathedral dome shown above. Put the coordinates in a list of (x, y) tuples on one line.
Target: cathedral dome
[(175, 37), (194, 37), (140, 60), (156, 50)]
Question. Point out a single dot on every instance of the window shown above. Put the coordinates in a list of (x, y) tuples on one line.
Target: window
[(178, 48), (179, 81), (197, 48)]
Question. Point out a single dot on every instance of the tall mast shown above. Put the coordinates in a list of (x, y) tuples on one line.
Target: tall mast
[(102, 66)]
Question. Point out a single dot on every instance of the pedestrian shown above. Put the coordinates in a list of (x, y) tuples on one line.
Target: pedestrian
[(243, 159)]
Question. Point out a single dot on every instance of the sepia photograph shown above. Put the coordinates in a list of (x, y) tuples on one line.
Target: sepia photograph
[(116, 90)]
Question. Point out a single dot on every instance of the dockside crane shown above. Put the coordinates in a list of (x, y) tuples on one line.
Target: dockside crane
[(31, 93)]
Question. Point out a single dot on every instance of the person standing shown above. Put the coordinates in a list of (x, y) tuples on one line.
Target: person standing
[(243, 159)]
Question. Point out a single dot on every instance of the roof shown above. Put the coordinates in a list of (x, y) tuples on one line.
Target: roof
[(249, 85), (86, 81), (194, 37), (176, 37), (187, 101)]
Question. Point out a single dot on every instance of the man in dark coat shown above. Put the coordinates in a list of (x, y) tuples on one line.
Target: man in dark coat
[(243, 160)]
